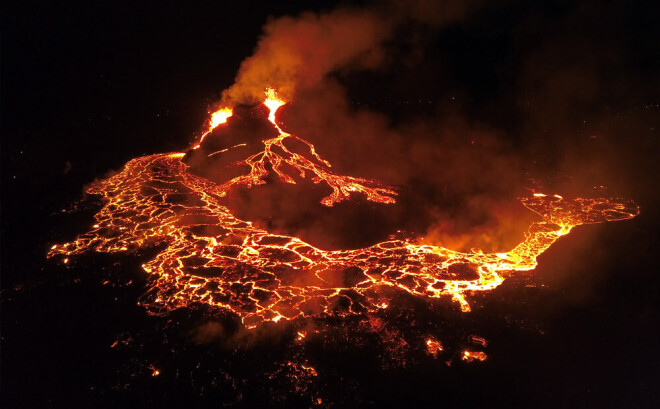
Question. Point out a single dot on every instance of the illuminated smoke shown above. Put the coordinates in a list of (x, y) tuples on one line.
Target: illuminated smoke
[(296, 53), (300, 52)]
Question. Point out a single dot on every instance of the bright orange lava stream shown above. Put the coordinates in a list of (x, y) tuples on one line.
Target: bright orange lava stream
[(211, 257), (218, 118)]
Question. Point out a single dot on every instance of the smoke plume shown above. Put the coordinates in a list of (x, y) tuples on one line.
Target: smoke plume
[(458, 166), (300, 52)]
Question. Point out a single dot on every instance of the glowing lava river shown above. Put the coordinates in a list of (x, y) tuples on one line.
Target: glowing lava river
[(207, 255)]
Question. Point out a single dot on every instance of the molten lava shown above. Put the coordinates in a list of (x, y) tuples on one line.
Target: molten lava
[(434, 346), (209, 256), (473, 355), (218, 118), (273, 102)]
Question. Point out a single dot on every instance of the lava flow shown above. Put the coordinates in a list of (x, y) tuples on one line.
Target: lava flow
[(207, 255)]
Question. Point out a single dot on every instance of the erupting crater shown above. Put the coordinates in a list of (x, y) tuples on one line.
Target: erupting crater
[(209, 254)]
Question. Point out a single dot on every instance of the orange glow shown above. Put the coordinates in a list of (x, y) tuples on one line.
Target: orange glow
[(470, 356), (433, 346), (310, 370), (278, 157), (302, 370), (218, 118), (264, 277), (273, 102), (478, 340)]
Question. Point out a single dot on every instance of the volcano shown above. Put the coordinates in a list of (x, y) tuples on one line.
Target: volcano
[(280, 182), (453, 113), (209, 255)]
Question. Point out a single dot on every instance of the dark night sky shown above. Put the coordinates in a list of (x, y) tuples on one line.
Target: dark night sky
[(87, 86)]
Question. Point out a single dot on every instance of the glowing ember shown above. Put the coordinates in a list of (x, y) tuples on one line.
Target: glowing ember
[(478, 340), (209, 256), (470, 356), (433, 346)]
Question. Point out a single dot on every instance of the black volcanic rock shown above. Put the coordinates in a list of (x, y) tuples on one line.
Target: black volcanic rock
[(241, 136)]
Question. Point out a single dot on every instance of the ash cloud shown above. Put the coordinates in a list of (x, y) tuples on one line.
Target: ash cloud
[(551, 95)]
